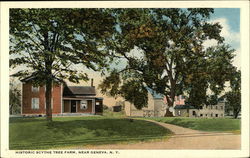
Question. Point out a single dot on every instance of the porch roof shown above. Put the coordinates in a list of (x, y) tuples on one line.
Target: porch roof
[(184, 107), (81, 98), (78, 91)]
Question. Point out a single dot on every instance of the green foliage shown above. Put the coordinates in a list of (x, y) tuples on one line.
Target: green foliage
[(233, 97), (15, 99), (174, 59), (210, 71), (66, 132), (51, 43), (112, 82), (134, 92)]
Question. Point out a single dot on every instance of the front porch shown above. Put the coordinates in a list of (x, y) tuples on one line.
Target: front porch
[(78, 105)]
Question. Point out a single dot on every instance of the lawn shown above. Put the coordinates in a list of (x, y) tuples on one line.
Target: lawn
[(204, 124), (34, 133)]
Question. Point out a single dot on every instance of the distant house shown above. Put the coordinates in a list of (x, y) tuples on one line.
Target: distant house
[(156, 106), (65, 99), (207, 111)]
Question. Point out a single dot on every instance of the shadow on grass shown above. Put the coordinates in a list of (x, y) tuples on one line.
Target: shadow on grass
[(107, 127), (91, 131), (26, 119)]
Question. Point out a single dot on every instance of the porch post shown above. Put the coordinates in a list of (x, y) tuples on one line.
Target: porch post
[(61, 99), (93, 106)]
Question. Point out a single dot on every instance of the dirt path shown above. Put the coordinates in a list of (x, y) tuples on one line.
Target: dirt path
[(183, 138)]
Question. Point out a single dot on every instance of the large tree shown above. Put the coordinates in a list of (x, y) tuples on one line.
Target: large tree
[(173, 57), (233, 97), (50, 43)]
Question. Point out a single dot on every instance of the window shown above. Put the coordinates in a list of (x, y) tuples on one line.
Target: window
[(194, 113), (179, 113), (216, 107), (221, 107), (201, 115), (216, 115), (35, 103), (83, 104), (35, 89), (97, 103)]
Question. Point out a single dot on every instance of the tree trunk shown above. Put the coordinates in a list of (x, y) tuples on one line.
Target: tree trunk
[(236, 113), (48, 100), (48, 71), (170, 104)]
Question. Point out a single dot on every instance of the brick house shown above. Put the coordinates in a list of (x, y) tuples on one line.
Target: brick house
[(65, 100)]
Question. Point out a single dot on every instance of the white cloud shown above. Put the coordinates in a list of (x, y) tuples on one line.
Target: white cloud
[(231, 37)]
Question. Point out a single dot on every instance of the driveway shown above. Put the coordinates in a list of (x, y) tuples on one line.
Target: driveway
[(183, 138)]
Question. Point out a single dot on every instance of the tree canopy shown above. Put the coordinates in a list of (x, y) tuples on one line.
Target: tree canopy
[(52, 42), (233, 97), (173, 57)]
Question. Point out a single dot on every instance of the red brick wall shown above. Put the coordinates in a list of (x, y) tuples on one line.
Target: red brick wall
[(28, 95), (56, 94)]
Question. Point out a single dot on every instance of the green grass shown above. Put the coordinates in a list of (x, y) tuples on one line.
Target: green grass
[(34, 133), (204, 124), (108, 113)]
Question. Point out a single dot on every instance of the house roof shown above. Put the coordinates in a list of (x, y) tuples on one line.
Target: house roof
[(184, 107), (35, 76), (79, 90), (154, 93)]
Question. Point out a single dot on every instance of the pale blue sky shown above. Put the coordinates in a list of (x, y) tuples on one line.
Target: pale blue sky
[(231, 23), (232, 14)]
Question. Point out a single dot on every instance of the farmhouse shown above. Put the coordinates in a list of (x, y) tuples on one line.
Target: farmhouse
[(157, 105), (65, 99), (207, 111)]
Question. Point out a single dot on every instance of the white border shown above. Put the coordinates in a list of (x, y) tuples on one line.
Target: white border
[(244, 5)]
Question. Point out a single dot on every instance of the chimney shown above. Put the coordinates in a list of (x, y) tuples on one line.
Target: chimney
[(92, 82)]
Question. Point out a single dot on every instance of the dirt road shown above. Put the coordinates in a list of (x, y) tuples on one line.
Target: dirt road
[(183, 138)]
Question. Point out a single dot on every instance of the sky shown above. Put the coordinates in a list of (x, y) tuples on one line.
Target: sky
[(229, 19)]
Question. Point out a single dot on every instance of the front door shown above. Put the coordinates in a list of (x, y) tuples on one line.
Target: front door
[(73, 106)]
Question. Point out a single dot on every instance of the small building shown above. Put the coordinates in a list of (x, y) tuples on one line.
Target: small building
[(64, 100), (206, 111), (156, 106), (185, 111)]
